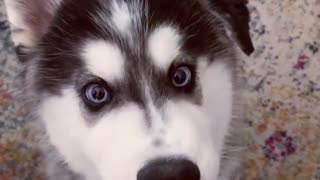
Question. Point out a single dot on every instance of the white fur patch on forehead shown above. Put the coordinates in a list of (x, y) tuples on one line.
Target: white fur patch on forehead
[(121, 17), (164, 46), (103, 59)]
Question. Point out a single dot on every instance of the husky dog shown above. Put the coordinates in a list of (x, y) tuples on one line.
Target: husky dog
[(133, 89)]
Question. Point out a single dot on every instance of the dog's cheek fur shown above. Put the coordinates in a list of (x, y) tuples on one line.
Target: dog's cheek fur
[(217, 84), (67, 129), (218, 91), (114, 148)]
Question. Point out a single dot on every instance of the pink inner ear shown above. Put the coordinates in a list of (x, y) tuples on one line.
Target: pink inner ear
[(37, 15)]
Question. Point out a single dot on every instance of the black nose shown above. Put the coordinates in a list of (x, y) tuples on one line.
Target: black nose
[(169, 169)]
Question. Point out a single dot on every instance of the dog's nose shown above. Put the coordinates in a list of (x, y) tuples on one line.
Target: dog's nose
[(169, 169)]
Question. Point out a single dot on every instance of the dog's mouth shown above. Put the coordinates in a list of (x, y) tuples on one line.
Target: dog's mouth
[(169, 169)]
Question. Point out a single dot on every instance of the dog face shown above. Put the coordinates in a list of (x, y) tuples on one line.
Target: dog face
[(135, 89)]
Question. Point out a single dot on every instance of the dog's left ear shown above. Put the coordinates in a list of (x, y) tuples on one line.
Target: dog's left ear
[(236, 17)]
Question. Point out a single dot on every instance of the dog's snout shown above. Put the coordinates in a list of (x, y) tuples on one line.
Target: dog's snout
[(169, 169)]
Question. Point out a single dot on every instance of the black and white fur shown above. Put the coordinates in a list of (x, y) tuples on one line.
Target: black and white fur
[(132, 46)]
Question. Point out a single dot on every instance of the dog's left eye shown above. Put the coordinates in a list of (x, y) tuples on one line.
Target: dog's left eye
[(96, 94), (182, 76)]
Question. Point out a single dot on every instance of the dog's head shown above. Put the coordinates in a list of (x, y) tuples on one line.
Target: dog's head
[(135, 89)]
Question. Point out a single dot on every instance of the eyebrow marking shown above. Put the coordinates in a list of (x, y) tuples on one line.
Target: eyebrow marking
[(103, 59), (164, 46)]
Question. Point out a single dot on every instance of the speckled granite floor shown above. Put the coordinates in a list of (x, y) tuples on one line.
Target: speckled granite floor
[(283, 97)]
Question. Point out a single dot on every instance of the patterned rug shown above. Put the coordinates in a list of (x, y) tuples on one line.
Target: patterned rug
[(282, 97)]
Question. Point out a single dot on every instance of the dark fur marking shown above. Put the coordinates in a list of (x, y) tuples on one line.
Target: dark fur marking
[(237, 15)]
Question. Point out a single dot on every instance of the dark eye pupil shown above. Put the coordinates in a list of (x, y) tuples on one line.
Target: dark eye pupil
[(179, 77), (98, 93)]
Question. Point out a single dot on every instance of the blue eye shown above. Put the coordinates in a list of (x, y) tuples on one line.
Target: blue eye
[(182, 76), (97, 94)]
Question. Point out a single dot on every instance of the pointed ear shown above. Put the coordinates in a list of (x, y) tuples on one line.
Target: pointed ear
[(236, 17), (30, 19)]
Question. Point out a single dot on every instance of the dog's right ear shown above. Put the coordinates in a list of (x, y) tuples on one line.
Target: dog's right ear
[(29, 19)]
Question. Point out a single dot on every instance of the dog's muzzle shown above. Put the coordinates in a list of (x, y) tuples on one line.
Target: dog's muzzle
[(169, 169)]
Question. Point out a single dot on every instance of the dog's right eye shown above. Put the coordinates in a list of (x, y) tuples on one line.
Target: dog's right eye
[(96, 95)]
